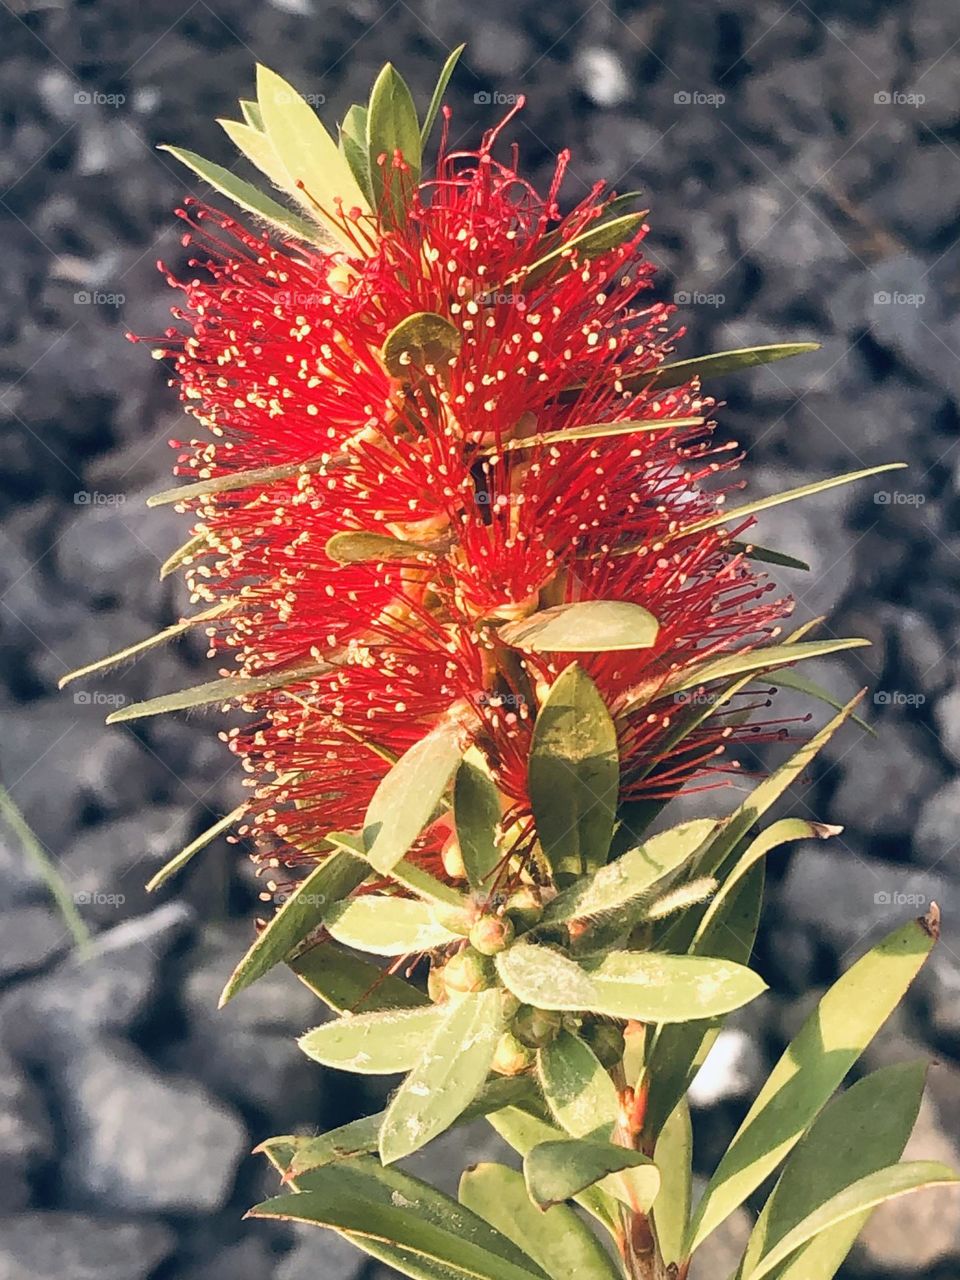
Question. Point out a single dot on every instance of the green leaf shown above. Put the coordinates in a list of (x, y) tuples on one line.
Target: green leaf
[(786, 831), (356, 547), (448, 1077), (192, 547), (862, 1195), (860, 1132), (580, 1094), (346, 982), (386, 925), (762, 660), (590, 626), (476, 813), (632, 875), (557, 1171), (411, 876), (258, 149), (392, 126), (523, 1131), (647, 986), (768, 555), (180, 860), (738, 825), (353, 148), (228, 689), (574, 774), (407, 796), (557, 1240), (812, 1067), (335, 877), (436, 101), (318, 176), (361, 1137), (161, 637), (374, 1043), (256, 478), (391, 1215), (777, 499), (710, 366), (248, 197), (592, 243), (422, 339), (679, 1049), (596, 431), (673, 1156), (787, 679)]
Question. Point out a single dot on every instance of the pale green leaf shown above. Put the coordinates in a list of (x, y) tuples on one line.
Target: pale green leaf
[(579, 1092), (385, 925), (632, 875), (557, 1171), (228, 689), (338, 875), (258, 149), (574, 774), (447, 1078), (248, 197), (392, 126), (353, 147), (356, 547), (476, 812), (374, 1043), (180, 860), (812, 1067), (408, 795), (596, 431), (161, 637), (593, 242), (251, 113), (256, 478), (187, 551), (590, 626)]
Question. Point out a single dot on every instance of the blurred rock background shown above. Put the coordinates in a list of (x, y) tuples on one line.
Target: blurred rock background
[(802, 165)]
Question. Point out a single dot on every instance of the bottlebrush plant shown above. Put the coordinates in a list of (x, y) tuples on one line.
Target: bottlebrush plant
[(461, 546)]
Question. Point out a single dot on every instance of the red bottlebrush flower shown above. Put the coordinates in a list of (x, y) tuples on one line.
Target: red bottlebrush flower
[(454, 455)]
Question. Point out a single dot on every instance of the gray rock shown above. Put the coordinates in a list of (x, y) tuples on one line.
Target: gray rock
[(26, 1135), (278, 1001), (106, 990), (921, 650), (850, 902), (947, 715), (936, 842), (141, 1142), (721, 1252), (321, 1253), (251, 1259), (886, 779), (32, 936), (938, 987), (69, 1246), (926, 169), (734, 1068)]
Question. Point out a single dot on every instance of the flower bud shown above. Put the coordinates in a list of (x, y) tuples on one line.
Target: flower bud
[(492, 934), (511, 1057), (468, 970), (606, 1040), (535, 1027), (524, 907), (436, 988)]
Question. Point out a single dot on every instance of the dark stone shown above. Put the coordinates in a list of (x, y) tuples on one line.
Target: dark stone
[(32, 936)]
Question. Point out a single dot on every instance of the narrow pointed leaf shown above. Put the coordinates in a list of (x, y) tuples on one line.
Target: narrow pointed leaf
[(346, 982), (360, 1137), (678, 372), (248, 197), (790, 679), (254, 479), (258, 149), (385, 925), (161, 637), (673, 1156), (812, 1067), (476, 813), (557, 1171), (406, 873), (768, 555), (372, 1206), (436, 101), (374, 1043), (557, 1240), (597, 431), (862, 1131), (579, 1092), (229, 689), (574, 774), (192, 547), (865, 1194), (598, 240), (591, 626), (353, 147), (251, 113), (407, 796), (335, 877), (632, 875), (448, 1077), (180, 860), (778, 499)]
